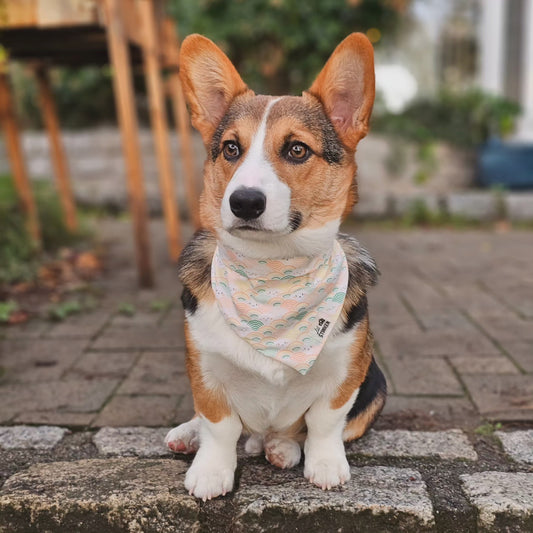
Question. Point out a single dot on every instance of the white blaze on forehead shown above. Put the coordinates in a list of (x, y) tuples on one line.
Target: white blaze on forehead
[(257, 172)]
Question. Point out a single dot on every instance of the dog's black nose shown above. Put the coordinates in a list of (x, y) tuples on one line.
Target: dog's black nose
[(247, 203)]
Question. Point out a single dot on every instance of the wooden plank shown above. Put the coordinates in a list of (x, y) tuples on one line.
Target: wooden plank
[(59, 160), (124, 97), (160, 128), (18, 13), (66, 12), (16, 157), (181, 118), (47, 13)]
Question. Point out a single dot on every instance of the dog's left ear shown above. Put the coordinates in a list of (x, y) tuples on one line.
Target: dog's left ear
[(346, 88)]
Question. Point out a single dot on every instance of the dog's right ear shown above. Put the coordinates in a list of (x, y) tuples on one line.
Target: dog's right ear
[(210, 83)]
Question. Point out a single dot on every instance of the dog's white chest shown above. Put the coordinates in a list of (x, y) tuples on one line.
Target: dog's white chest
[(267, 394)]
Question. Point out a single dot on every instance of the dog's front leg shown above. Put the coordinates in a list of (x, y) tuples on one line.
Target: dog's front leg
[(325, 459), (212, 471)]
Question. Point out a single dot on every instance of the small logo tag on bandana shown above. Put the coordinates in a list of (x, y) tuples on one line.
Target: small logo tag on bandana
[(284, 308)]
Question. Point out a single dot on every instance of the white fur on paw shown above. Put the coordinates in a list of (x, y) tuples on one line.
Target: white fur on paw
[(254, 444), (282, 452), (327, 471), (208, 481), (185, 437)]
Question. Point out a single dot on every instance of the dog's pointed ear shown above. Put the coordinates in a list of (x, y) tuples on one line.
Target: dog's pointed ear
[(346, 88), (210, 82)]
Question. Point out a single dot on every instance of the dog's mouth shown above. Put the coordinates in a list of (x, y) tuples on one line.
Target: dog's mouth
[(255, 226)]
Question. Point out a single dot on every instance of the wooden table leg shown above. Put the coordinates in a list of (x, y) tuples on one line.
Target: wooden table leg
[(125, 102), (181, 118), (152, 71), (16, 157), (59, 159)]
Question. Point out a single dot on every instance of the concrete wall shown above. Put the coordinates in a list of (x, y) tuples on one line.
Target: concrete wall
[(386, 168)]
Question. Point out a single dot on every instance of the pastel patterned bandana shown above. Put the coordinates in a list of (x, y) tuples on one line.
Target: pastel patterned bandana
[(284, 308)]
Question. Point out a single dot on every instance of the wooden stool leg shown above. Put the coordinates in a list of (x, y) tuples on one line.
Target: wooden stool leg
[(152, 71), (16, 158), (124, 98), (181, 118), (59, 159)]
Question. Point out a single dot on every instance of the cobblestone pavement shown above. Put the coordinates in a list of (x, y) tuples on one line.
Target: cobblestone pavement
[(452, 317), (123, 479)]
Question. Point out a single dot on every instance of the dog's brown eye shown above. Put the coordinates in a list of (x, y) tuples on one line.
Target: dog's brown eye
[(298, 152), (231, 151)]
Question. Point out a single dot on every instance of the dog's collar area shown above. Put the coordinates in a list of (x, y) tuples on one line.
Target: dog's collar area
[(283, 308), (271, 269)]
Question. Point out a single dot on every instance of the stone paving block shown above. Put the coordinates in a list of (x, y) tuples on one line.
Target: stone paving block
[(138, 319), (30, 330), (139, 338), (473, 299), (473, 205), (375, 499), (506, 327), (451, 444), (26, 361), (137, 441), (483, 365), (521, 351), (504, 500), (31, 437), (502, 397), (429, 411), (74, 396), (438, 343), (85, 325), (99, 495), (103, 365), (518, 444), (139, 411), (445, 319), (419, 375), (157, 373)]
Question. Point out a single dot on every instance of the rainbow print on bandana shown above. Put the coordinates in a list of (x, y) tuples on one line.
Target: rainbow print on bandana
[(284, 308)]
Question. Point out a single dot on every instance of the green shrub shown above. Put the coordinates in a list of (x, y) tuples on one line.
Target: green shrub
[(464, 119)]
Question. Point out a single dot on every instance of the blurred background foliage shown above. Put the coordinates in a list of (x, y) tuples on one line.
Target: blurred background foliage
[(279, 46)]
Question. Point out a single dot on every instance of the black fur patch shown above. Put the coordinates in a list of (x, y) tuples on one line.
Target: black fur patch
[(189, 301), (295, 220), (356, 313), (374, 385)]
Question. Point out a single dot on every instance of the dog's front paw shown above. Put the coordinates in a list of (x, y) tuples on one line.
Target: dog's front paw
[(184, 438), (206, 482), (327, 471)]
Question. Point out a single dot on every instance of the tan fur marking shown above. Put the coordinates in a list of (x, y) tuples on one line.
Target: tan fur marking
[(211, 403), (361, 352), (356, 427)]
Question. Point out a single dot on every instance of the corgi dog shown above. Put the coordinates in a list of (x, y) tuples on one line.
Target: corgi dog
[(276, 322)]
